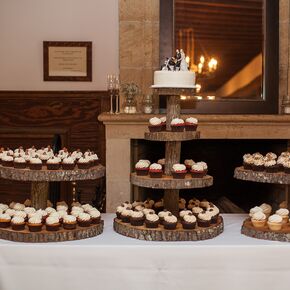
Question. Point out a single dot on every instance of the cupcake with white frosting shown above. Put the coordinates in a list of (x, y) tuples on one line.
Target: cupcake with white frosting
[(196, 210), (162, 214), (248, 161), (19, 162), (69, 222), (214, 212), (126, 215), (271, 166), (52, 223), (204, 219), (137, 218), (161, 162), (142, 168), (266, 208), (259, 219), (155, 170), (84, 220), (84, 162), (170, 222), (53, 163), (7, 161), (35, 223), (284, 213), (286, 165), (178, 171), (148, 210), (152, 220), (254, 210), (68, 163), (188, 221), (5, 220), (18, 223), (177, 125), (149, 203), (191, 124), (184, 212), (275, 222), (19, 206), (258, 164), (35, 163), (188, 163), (155, 124), (95, 216), (119, 210), (198, 170)]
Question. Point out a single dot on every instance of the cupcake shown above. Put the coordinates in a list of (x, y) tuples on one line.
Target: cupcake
[(162, 163), (149, 203), (257, 155), (10, 212), (259, 219), (188, 163), (137, 218), (275, 222), (18, 223), (7, 161), (214, 213), (152, 220), (27, 202), (184, 212), (177, 125), (170, 222), (142, 168), (204, 204), (127, 204), (3, 206), (198, 170), (21, 214), (191, 124), (284, 213), (248, 161), (155, 125), (139, 207), (271, 166), (53, 163), (162, 214), (266, 208), (181, 204), (188, 221), (95, 159), (163, 123), (280, 162), (204, 219), (271, 156), (197, 210), (119, 210), (68, 163), (95, 216), (258, 164), (29, 210), (155, 170), (69, 222), (19, 206), (44, 157), (126, 215), (50, 210), (84, 163), (5, 220), (35, 163), (286, 166), (254, 210), (148, 210), (35, 223), (159, 205), (178, 171), (52, 224), (19, 162), (77, 154), (84, 220)]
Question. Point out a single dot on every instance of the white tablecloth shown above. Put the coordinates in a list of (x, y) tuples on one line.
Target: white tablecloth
[(111, 261)]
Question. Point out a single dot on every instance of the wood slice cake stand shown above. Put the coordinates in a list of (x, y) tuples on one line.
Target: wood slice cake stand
[(161, 234), (170, 185), (40, 179), (264, 177), (47, 236)]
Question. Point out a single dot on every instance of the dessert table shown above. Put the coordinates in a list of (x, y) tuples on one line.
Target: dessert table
[(112, 261)]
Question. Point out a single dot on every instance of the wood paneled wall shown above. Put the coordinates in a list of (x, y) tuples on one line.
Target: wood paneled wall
[(33, 118)]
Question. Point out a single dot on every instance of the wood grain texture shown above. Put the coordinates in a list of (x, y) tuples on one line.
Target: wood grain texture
[(33, 117), (47, 236), (39, 194), (265, 233), (160, 234), (264, 177)]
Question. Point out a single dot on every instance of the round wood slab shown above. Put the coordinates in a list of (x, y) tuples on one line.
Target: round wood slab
[(265, 177), (52, 175), (168, 182), (265, 233), (47, 236), (172, 136), (160, 234)]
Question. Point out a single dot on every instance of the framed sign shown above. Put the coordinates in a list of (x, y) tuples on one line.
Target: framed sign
[(67, 61)]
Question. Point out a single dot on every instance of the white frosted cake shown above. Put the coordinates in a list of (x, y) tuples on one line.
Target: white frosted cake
[(174, 79)]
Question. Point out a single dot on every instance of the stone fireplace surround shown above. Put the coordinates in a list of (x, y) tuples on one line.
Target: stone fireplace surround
[(122, 129)]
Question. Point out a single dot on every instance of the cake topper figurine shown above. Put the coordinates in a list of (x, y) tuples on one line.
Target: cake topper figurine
[(176, 63)]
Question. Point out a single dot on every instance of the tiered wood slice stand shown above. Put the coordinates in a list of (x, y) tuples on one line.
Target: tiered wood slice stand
[(170, 185), (39, 195), (264, 177)]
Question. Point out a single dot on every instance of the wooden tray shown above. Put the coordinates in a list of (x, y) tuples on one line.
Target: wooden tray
[(52, 175), (265, 233), (172, 136), (264, 177), (46, 236), (160, 234), (168, 182)]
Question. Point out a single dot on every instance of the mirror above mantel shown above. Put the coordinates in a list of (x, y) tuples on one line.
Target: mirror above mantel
[(233, 47)]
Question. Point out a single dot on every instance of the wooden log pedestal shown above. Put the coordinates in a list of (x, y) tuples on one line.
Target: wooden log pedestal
[(161, 234), (265, 233), (40, 179), (47, 236)]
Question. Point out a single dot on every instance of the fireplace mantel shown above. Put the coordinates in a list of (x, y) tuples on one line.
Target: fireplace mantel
[(121, 128)]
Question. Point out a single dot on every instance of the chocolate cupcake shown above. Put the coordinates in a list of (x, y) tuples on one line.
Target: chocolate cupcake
[(198, 170), (126, 215), (68, 163), (162, 214), (84, 220), (248, 161), (5, 220), (137, 218), (53, 163), (69, 222), (155, 125), (170, 222), (258, 164), (271, 166), (177, 125), (84, 163), (214, 213), (7, 161), (204, 219), (95, 216), (35, 224), (188, 221), (155, 170), (179, 171), (184, 212), (188, 163), (159, 206), (286, 166), (95, 159), (18, 223), (162, 163), (182, 204), (197, 210), (52, 224), (119, 210), (191, 124), (142, 168), (19, 162), (35, 163), (152, 220), (44, 157)]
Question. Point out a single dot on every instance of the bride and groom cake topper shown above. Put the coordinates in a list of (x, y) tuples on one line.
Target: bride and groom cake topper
[(176, 63)]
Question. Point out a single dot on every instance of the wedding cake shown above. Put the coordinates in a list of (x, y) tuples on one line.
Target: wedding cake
[(174, 73)]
